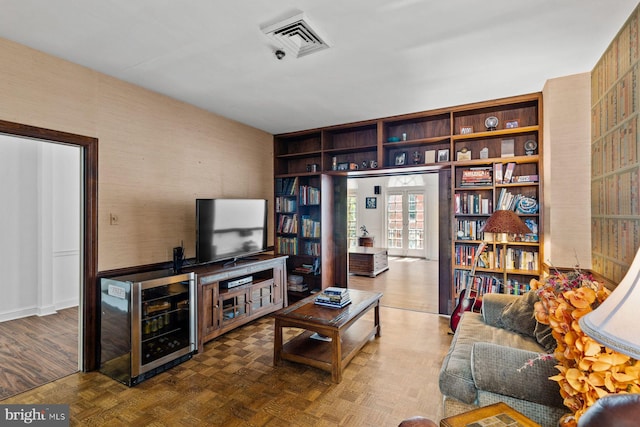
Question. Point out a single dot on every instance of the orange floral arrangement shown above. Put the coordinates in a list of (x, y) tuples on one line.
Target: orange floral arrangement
[(588, 370)]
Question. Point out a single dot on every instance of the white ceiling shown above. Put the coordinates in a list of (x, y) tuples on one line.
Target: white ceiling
[(386, 57)]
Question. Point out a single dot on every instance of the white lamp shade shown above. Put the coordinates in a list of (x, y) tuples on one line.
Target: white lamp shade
[(614, 323)]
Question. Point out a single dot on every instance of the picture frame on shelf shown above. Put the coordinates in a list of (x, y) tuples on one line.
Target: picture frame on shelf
[(343, 166), (371, 202), (466, 130), (443, 155), (430, 156), (400, 159), (507, 148), (511, 124)]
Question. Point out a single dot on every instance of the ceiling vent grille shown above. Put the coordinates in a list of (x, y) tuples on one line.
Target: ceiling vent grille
[(296, 35)]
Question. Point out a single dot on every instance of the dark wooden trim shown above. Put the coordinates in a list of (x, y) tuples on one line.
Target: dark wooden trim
[(338, 222), (137, 269), (90, 295), (446, 300)]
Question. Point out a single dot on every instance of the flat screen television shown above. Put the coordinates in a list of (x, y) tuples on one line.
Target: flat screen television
[(229, 229)]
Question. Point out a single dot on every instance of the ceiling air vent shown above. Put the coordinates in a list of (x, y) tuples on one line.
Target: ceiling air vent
[(296, 35)]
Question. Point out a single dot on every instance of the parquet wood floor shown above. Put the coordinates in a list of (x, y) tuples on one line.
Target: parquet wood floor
[(35, 350), (233, 383)]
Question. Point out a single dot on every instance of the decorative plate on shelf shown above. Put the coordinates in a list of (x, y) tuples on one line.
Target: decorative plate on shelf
[(491, 123), (530, 147)]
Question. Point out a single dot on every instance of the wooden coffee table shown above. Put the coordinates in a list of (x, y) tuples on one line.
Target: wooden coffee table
[(347, 330)]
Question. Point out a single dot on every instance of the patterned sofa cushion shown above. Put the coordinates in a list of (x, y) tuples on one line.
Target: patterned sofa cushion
[(456, 378)]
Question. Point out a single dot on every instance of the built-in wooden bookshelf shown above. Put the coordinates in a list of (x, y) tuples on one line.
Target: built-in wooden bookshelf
[(452, 140), (496, 169)]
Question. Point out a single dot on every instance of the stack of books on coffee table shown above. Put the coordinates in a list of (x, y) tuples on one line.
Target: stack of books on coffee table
[(333, 297)]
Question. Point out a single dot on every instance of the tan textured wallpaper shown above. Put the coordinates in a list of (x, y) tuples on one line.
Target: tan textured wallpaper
[(567, 140), (156, 155)]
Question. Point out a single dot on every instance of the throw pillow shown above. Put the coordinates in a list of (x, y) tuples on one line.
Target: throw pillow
[(545, 338), (518, 316)]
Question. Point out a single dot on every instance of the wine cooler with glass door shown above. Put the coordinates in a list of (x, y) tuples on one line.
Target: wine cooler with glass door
[(148, 324)]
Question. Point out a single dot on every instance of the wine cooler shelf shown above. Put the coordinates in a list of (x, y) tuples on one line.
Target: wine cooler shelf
[(148, 324)]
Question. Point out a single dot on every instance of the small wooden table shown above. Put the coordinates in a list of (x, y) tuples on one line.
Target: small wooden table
[(368, 261), (496, 415), (347, 331), (366, 241)]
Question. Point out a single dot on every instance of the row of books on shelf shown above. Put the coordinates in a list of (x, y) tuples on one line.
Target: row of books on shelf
[(484, 284), (517, 259), (465, 255), (516, 202), (287, 245), (310, 228), (511, 258), (304, 269), (482, 176), (473, 203), (285, 204), (478, 176), (308, 268), (286, 186), (311, 248), (309, 195), (504, 174), (287, 224), (467, 229), (333, 297)]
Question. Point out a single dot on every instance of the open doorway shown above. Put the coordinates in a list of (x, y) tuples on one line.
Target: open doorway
[(90, 296), (42, 256), (400, 214)]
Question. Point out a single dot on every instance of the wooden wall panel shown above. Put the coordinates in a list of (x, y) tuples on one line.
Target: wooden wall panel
[(156, 154), (615, 171)]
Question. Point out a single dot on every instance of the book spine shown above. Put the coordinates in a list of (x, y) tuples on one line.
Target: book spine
[(325, 304), (497, 172), (508, 173)]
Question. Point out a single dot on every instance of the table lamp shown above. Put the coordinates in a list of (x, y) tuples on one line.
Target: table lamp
[(501, 224), (614, 323)]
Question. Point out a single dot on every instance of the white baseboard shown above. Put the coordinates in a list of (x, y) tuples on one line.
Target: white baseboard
[(18, 314), (37, 311)]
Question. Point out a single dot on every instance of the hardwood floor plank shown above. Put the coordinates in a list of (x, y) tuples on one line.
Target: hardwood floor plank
[(36, 350), (410, 284)]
